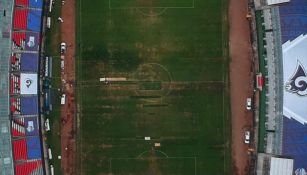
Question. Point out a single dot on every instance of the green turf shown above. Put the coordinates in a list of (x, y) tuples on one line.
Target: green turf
[(151, 3), (53, 38), (175, 63)]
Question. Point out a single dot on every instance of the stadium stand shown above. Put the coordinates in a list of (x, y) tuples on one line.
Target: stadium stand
[(15, 106), (20, 149), (31, 126), (25, 28), (18, 130), (29, 105), (29, 62), (34, 20), (32, 41), (34, 147), (29, 168), (19, 38), (20, 19), (15, 62), (24, 3), (36, 4), (14, 84)]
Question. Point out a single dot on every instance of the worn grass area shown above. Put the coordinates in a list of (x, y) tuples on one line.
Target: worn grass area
[(176, 91), (53, 38)]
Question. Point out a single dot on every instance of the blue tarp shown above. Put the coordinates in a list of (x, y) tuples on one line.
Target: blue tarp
[(295, 142), (34, 148), (32, 41), (31, 126), (36, 4), (29, 105), (34, 20), (293, 19), (29, 62)]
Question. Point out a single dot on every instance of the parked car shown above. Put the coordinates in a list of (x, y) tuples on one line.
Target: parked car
[(247, 137), (249, 104), (63, 47)]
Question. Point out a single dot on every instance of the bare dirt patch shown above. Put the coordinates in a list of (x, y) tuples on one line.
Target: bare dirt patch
[(68, 111), (240, 83)]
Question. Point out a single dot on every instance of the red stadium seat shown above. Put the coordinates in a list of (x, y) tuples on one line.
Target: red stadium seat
[(24, 3), (20, 149), (18, 130), (27, 168), (18, 37), (20, 19)]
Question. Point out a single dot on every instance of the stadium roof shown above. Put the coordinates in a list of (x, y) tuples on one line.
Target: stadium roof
[(28, 84), (295, 79), (29, 62), (281, 166)]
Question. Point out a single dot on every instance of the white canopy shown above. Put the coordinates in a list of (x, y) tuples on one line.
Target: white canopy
[(28, 84), (281, 166)]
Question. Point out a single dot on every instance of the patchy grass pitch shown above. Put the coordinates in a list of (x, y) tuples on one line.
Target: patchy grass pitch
[(171, 59)]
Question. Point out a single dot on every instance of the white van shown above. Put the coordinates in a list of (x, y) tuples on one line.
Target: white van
[(63, 98)]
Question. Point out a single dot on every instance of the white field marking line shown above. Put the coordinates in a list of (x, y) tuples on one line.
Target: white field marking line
[(195, 166), (80, 96), (140, 158), (153, 15), (224, 74), (169, 7), (110, 167), (135, 7)]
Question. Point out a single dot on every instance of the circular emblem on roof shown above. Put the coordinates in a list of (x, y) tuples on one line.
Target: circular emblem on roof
[(28, 82), (298, 82)]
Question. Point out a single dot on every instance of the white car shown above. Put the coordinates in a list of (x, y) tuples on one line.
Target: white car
[(247, 137), (63, 47), (249, 104)]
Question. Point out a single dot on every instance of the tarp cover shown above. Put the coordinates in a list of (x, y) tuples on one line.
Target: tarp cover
[(34, 148), (295, 79), (36, 3), (28, 83), (32, 41), (29, 105), (29, 62), (31, 126), (34, 20)]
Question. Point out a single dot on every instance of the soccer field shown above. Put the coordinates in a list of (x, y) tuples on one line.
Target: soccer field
[(167, 65)]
